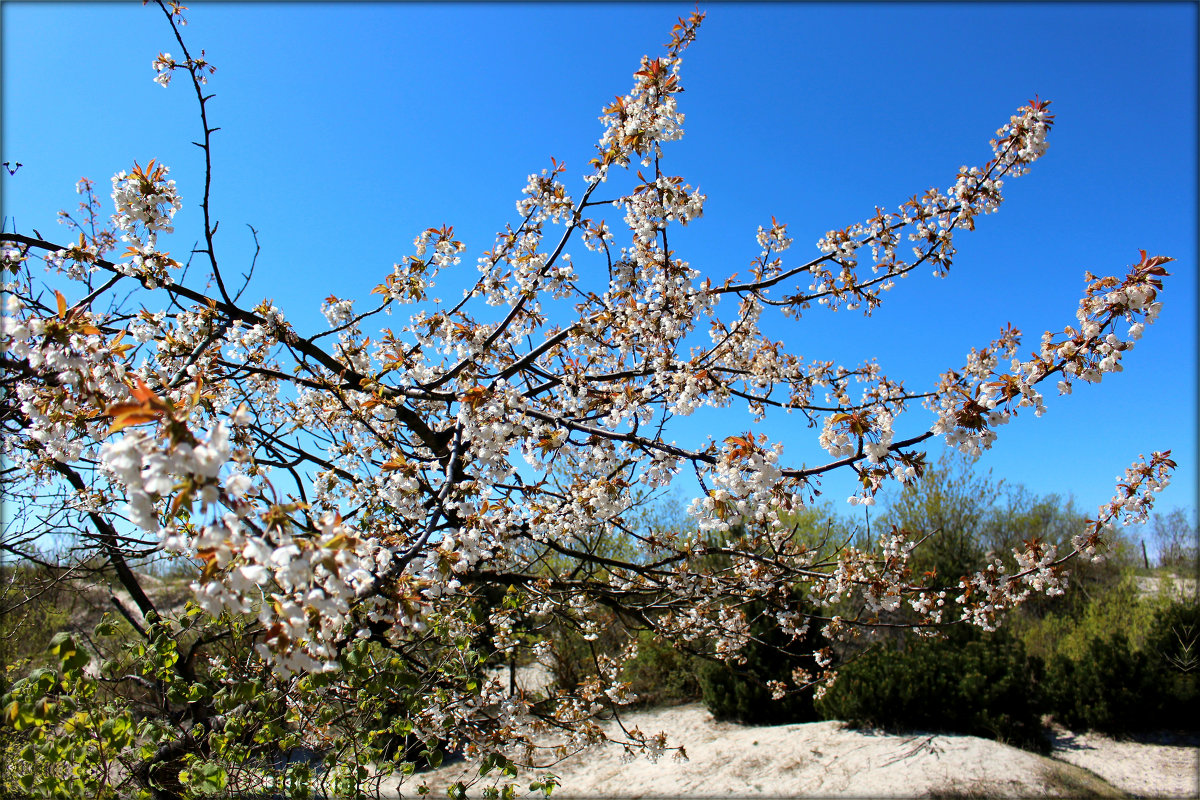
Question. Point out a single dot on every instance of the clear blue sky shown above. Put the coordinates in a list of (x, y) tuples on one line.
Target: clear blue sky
[(348, 128)]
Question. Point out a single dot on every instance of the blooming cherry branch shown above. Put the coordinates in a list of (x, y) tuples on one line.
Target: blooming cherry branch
[(338, 488)]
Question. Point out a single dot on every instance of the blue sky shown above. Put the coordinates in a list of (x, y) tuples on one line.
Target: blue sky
[(346, 129)]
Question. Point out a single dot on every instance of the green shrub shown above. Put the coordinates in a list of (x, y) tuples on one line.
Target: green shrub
[(1111, 688), (977, 684), (1068, 624), (1116, 687), (1173, 648), (34, 605), (739, 693), (661, 675)]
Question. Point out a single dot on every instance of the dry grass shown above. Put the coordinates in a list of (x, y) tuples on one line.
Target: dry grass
[(1063, 781)]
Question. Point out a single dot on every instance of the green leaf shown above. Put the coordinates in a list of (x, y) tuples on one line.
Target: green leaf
[(353, 658), (210, 778), (546, 785), (176, 694), (44, 708), (72, 658)]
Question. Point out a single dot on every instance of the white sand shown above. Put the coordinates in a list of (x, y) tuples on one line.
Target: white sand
[(1147, 769), (825, 759)]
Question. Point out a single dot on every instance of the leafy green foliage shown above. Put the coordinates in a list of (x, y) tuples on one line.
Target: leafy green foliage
[(1173, 647), (662, 675), (740, 692), (65, 734), (34, 605), (951, 504), (1110, 689), (1097, 605), (976, 684), (189, 710), (1115, 687)]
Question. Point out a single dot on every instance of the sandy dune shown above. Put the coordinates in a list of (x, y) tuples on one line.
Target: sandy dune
[(825, 759)]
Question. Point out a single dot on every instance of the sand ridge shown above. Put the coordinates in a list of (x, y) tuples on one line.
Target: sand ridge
[(828, 759)]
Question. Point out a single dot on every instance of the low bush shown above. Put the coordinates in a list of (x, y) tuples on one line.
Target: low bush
[(1090, 609), (1173, 647), (1110, 688), (971, 683), (740, 694), (660, 675), (1118, 688)]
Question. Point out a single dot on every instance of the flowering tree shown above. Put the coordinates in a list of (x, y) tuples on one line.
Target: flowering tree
[(343, 491)]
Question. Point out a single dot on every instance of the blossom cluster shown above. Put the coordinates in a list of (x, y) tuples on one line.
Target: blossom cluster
[(930, 220), (146, 202), (970, 404), (164, 66)]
